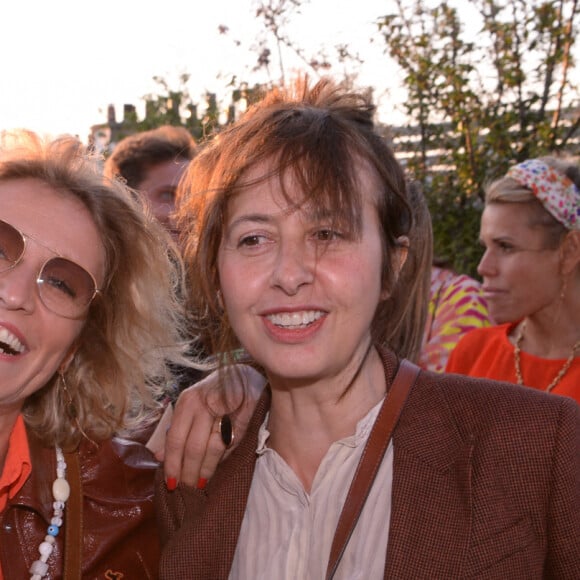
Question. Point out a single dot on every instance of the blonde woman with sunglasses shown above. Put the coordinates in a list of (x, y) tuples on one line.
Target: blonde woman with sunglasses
[(88, 323)]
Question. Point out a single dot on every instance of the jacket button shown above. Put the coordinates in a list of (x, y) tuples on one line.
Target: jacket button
[(7, 527)]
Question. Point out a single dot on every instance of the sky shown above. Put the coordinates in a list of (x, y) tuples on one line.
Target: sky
[(63, 61)]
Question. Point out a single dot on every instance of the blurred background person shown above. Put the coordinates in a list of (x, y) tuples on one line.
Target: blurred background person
[(530, 229), (456, 306), (152, 162), (455, 302)]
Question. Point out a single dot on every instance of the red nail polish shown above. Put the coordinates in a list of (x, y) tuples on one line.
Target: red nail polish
[(171, 483), (201, 483)]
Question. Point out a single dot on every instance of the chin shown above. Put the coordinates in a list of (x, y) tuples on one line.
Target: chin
[(294, 370)]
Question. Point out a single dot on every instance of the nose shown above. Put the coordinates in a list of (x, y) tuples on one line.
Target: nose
[(18, 288), (486, 267), (294, 267)]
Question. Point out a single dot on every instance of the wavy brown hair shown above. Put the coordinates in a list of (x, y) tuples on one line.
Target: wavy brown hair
[(319, 134), (134, 155), (133, 327)]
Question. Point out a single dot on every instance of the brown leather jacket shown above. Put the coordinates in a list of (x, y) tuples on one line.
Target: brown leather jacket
[(120, 539)]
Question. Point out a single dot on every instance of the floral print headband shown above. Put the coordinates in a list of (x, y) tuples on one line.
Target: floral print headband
[(558, 193)]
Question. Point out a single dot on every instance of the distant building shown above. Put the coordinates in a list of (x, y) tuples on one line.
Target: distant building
[(103, 136)]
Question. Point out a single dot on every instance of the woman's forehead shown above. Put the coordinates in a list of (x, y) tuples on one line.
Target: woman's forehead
[(301, 182)]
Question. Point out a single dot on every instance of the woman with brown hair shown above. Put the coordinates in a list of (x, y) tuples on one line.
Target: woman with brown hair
[(298, 227)]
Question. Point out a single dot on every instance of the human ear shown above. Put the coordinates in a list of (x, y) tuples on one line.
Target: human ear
[(398, 259), (68, 358), (220, 300), (401, 253), (570, 252)]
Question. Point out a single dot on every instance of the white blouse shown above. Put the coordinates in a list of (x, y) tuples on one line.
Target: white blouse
[(287, 533)]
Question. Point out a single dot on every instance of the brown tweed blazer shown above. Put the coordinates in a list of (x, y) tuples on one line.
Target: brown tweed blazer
[(486, 485)]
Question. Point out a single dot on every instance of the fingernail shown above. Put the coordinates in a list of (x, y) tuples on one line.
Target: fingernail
[(201, 483), (171, 483)]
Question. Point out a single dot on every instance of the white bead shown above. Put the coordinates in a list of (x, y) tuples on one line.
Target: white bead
[(38, 567), (60, 492), (45, 548), (60, 489)]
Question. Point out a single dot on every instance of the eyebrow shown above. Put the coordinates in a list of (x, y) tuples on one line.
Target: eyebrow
[(263, 218), (505, 238), (252, 217)]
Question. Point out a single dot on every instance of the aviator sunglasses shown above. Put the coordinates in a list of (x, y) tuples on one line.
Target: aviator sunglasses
[(64, 287)]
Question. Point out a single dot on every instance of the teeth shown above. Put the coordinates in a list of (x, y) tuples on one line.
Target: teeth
[(9, 342), (295, 319)]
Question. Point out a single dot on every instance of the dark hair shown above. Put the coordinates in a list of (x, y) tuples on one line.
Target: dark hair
[(407, 308), (135, 154)]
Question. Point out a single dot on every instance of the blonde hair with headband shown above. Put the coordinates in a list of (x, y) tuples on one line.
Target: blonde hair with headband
[(556, 191)]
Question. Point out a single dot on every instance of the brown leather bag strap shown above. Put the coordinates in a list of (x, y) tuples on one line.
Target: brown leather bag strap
[(73, 550), (370, 460)]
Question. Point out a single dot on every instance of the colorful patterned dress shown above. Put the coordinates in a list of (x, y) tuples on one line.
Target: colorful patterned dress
[(456, 305)]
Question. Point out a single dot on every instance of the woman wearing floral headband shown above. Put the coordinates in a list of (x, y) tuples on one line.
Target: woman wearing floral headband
[(530, 230)]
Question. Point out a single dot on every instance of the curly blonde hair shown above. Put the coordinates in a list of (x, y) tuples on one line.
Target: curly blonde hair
[(134, 327)]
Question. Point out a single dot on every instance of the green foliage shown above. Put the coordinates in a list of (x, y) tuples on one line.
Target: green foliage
[(477, 106), (174, 106), (476, 101)]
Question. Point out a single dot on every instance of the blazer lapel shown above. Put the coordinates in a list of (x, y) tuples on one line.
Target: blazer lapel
[(431, 509), (228, 507)]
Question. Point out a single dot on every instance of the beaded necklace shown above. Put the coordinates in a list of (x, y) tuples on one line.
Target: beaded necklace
[(517, 361), (60, 492)]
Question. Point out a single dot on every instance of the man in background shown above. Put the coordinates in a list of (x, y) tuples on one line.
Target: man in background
[(152, 162)]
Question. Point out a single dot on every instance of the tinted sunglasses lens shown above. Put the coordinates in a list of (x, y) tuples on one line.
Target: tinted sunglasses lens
[(65, 287), (11, 246)]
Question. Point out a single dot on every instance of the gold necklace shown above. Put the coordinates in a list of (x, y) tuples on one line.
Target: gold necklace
[(517, 361)]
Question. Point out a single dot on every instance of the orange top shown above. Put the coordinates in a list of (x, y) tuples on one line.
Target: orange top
[(488, 353), (17, 466)]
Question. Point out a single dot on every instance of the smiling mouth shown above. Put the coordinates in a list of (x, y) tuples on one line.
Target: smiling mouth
[(295, 320), (9, 344)]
